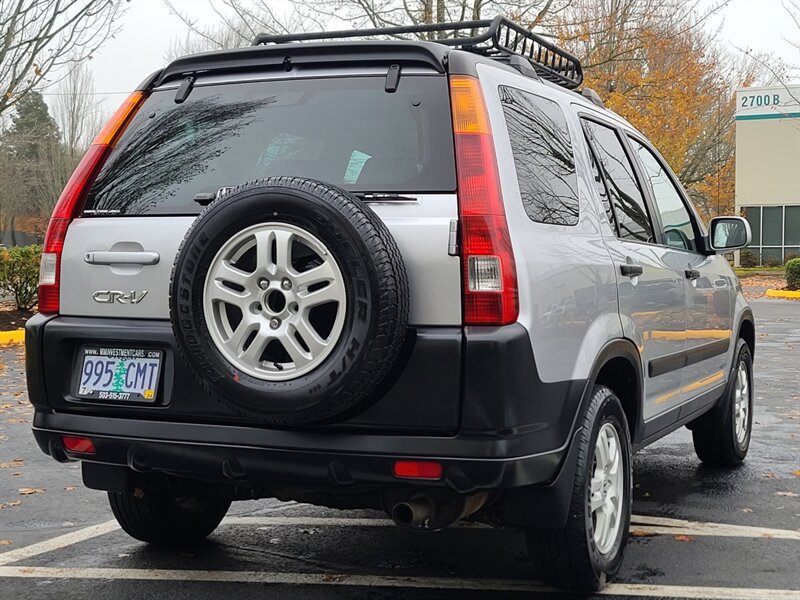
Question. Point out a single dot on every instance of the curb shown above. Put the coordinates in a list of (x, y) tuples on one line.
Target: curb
[(783, 294), (17, 336)]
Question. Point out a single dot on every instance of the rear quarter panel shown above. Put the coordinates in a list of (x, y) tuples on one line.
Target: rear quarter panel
[(567, 282)]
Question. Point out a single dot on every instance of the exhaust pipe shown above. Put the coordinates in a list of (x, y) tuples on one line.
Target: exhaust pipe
[(413, 512), (423, 512)]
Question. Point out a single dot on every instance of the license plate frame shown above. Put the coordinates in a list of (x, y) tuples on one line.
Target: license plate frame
[(116, 381)]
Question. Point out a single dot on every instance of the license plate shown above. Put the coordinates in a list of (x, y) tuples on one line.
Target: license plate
[(119, 374)]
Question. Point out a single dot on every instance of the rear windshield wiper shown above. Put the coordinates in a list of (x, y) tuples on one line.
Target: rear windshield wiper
[(368, 197)]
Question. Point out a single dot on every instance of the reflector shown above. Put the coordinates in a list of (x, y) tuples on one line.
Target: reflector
[(417, 469), (79, 445)]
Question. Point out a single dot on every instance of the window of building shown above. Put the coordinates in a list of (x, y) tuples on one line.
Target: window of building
[(626, 197), (776, 233), (543, 157)]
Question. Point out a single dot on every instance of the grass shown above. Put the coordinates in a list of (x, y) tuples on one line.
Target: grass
[(743, 272)]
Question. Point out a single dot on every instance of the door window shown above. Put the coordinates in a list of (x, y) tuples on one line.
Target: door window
[(675, 218), (626, 196)]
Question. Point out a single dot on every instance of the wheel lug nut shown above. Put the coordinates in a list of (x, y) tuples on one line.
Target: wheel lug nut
[(274, 323), (263, 283), (286, 284)]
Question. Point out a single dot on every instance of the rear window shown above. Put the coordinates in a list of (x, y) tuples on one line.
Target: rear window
[(345, 131)]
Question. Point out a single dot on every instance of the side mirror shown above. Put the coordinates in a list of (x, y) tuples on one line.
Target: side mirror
[(726, 234)]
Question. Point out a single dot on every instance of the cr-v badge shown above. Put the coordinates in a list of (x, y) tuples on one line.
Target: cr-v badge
[(112, 296)]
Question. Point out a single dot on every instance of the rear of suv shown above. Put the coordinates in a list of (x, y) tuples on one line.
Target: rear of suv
[(425, 277)]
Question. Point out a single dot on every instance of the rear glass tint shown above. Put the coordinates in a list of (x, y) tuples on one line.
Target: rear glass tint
[(345, 131)]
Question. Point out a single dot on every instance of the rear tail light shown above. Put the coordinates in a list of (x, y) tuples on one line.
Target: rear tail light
[(488, 271), (72, 199)]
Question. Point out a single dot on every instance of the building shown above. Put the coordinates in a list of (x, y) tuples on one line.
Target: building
[(768, 170)]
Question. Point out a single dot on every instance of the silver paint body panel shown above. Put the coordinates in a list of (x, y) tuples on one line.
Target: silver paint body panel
[(421, 229)]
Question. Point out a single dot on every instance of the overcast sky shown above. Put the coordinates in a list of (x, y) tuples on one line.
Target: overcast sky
[(148, 28)]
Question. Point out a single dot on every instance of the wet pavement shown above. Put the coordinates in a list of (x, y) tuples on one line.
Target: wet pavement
[(295, 551)]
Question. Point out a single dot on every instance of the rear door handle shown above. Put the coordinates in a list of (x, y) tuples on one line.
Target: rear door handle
[(121, 258), (691, 273), (629, 270)]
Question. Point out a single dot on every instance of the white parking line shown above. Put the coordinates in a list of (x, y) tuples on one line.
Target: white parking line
[(56, 543), (614, 589), (660, 525), (639, 524)]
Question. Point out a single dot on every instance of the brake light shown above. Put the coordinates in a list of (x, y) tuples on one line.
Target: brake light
[(72, 199), (489, 275)]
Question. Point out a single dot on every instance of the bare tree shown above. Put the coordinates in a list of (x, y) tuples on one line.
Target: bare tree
[(76, 111), (239, 21), (43, 37)]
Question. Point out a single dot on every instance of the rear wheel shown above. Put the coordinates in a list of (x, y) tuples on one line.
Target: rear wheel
[(587, 553), (169, 511), (722, 436)]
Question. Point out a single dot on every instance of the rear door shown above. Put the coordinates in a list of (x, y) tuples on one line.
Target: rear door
[(335, 126), (650, 281)]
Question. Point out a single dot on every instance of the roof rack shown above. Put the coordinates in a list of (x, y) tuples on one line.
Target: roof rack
[(502, 38)]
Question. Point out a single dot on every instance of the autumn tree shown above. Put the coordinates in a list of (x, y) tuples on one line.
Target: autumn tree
[(43, 39), (656, 64)]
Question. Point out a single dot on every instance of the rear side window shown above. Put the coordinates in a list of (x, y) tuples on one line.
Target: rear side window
[(627, 200), (543, 157), (345, 131)]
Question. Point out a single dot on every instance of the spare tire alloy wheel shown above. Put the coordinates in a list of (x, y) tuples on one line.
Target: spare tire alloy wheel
[(270, 335), (289, 301)]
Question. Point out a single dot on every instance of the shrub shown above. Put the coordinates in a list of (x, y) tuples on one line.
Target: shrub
[(773, 261), (748, 258), (19, 274), (793, 274)]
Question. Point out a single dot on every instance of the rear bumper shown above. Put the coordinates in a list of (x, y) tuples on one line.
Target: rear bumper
[(469, 398), (248, 457)]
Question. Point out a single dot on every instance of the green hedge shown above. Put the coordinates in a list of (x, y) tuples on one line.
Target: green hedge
[(793, 274), (19, 274)]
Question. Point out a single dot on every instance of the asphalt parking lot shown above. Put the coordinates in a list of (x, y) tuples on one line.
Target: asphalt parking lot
[(697, 532)]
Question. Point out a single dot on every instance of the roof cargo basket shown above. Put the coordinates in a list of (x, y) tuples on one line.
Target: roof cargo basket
[(495, 38)]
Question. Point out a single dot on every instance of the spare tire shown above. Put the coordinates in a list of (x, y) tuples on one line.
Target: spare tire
[(289, 300)]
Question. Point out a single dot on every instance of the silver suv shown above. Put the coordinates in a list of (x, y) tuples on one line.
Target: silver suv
[(425, 277)]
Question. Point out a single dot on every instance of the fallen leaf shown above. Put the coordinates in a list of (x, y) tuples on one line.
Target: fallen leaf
[(768, 475), (683, 538), (17, 474), (14, 464), (5, 542), (787, 494), (747, 509), (641, 533), (70, 488), (768, 535), (27, 491), (10, 504), (796, 472)]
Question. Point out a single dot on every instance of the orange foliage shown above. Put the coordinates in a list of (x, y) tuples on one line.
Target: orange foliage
[(664, 74)]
